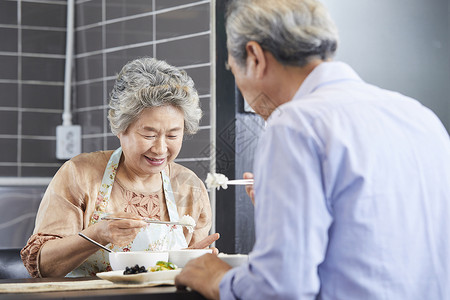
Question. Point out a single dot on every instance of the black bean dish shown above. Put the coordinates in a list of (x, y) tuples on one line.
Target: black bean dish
[(134, 270)]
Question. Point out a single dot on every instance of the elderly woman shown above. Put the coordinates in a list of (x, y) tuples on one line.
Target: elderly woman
[(152, 106)]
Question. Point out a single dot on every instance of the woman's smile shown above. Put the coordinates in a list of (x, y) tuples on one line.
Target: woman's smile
[(155, 161)]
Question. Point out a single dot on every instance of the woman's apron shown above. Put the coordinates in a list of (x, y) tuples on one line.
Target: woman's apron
[(153, 237)]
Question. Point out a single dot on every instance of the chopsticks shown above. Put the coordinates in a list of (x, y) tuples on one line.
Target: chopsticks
[(94, 242), (147, 221), (239, 182)]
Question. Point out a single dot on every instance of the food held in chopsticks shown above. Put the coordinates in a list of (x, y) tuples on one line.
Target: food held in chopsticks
[(216, 180), (188, 222)]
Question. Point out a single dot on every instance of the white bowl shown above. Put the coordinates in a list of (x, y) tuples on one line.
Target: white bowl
[(181, 257), (121, 260), (234, 260)]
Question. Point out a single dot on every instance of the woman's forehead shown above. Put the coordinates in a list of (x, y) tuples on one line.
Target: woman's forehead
[(163, 117)]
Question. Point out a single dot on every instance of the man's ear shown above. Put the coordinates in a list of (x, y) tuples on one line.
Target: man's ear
[(256, 59)]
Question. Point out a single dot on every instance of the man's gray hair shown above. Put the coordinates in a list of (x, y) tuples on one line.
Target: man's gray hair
[(146, 83), (294, 31)]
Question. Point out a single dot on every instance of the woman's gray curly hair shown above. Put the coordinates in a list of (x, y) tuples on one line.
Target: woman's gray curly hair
[(294, 31), (147, 82)]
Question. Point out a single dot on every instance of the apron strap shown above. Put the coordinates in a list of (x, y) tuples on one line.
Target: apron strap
[(170, 199), (105, 188)]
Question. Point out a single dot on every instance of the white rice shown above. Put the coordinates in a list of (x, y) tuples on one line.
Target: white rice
[(187, 219), (216, 180)]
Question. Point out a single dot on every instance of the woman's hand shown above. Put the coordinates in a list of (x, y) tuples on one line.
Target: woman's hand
[(59, 257), (249, 187), (206, 242), (118, 232)]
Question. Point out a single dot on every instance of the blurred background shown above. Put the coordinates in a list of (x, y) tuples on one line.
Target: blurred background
[(398, 45)]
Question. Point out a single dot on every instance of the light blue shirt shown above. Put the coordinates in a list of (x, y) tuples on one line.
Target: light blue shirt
[(352, 189)]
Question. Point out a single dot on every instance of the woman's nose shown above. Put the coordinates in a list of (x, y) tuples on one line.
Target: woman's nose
[(159, 146)]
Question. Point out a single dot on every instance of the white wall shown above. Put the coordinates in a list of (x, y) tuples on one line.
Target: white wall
[(401, 45)]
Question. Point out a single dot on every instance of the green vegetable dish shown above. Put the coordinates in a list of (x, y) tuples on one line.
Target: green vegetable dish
[(163, 266)]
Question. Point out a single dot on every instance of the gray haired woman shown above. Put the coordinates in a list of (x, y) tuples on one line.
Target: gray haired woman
[(152, 106)]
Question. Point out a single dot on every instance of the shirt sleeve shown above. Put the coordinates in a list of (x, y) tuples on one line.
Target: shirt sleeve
[(291, 220), (60, 214)]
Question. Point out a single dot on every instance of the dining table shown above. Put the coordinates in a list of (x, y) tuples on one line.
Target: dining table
[(89, 288)]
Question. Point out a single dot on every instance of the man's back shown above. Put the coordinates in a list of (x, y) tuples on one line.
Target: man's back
[(385, 167)]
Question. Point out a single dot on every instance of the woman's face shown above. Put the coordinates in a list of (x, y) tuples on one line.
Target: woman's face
[(153, 140)]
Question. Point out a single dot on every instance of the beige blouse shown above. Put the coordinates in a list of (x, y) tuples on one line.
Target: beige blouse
[(69, 203)]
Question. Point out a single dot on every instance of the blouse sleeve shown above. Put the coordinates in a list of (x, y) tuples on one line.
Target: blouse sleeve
[(192, 199), (203, 223), (61, 213), (32, 250)]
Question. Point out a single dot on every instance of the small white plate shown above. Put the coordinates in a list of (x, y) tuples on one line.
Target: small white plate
[(148, 277)]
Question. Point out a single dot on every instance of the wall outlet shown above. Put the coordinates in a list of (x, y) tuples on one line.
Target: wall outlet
[(68, 141)]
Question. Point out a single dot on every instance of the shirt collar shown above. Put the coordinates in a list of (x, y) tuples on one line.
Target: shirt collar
[(324, 74)]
